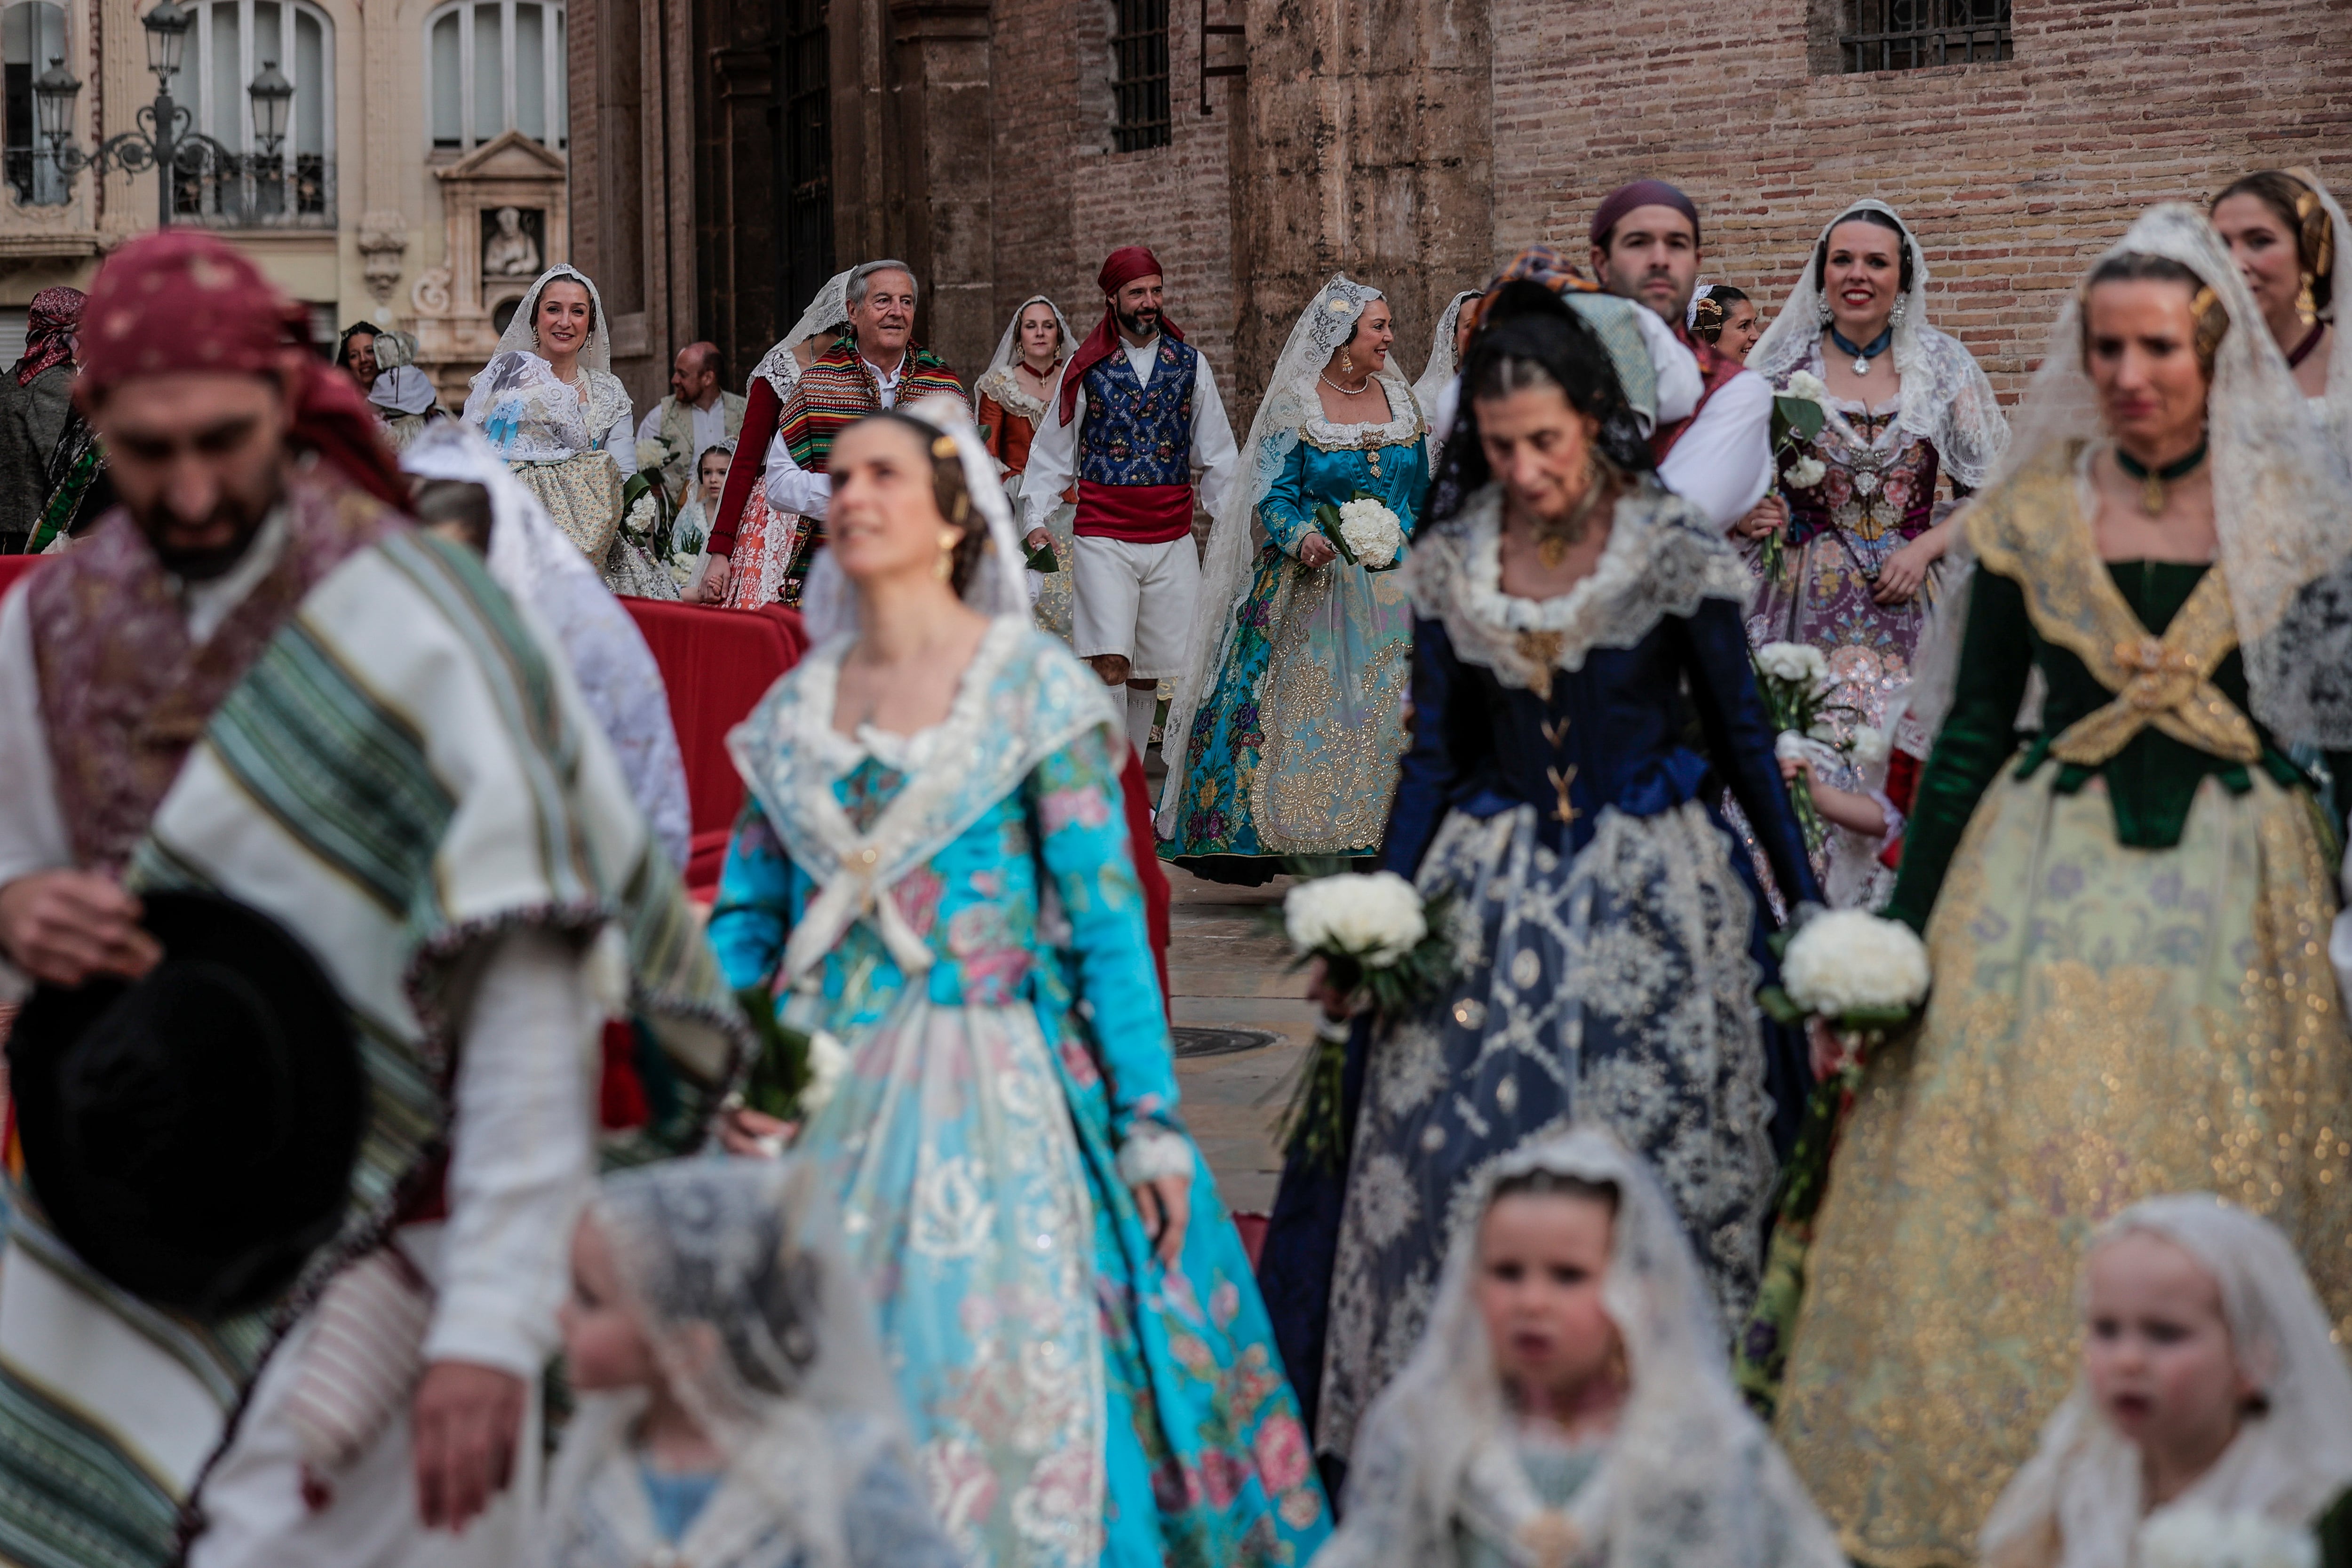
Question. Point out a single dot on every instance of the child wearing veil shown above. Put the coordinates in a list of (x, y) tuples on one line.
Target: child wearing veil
[(734, 1409), (2213, 1407), (1570, 1402)]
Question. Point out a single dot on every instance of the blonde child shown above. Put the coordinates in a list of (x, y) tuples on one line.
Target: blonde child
[(1570, 1402), (2213, 1415), (734, 1411)]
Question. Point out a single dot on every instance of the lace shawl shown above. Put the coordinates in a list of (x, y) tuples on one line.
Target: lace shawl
[(1662, 557)]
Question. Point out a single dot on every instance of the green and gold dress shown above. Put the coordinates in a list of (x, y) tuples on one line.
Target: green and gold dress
[(2133, 997)]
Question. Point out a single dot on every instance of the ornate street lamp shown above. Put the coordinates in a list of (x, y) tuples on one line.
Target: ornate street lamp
[(54, 91), (167, 35), (273, 100)]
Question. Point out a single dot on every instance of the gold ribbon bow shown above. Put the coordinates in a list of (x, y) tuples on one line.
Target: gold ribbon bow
[(2165, 682)]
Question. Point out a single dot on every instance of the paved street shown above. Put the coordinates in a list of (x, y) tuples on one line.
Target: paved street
[(1228, 972)]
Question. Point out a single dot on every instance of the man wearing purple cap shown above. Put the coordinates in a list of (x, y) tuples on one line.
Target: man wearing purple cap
[(1645, 247)]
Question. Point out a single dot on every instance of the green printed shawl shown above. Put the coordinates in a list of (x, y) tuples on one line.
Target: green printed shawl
[(402, 773)]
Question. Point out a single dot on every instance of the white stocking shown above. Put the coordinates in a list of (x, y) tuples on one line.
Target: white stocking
[(1140, 706)]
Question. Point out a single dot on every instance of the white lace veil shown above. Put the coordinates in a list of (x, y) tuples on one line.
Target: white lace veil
[(2288, 1463), (2339, 358), (1008, 349), (521, 336), (1690, 1476), (2279, 507), (829, 309), (1443, 365), (1946, 397), (829, 601), (1290, 401), (763, 1328)]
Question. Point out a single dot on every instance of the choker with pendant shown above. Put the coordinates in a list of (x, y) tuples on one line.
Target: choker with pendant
[(2153, 481), (1861, 356)]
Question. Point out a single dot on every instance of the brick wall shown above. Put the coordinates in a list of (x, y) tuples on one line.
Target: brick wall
[(2013, 175)]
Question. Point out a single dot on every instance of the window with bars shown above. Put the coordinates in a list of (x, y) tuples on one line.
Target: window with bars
[(1906, 35), (1139, 80), (233, 40), (804, 164)]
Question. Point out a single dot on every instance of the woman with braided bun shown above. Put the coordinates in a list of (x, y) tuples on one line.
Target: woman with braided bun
[(2288, 237)]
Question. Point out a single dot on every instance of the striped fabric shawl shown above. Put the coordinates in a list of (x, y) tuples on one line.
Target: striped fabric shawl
[(838, 389), (403, 773)]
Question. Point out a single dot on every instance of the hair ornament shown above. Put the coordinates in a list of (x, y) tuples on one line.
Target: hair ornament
[(943, 447)]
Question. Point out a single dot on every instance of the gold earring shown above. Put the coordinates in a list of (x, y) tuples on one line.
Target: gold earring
[(1347, 363), (944, 567), (2304, 305)]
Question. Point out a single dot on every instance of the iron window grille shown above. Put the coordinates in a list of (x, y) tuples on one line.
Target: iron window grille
[(805, 166), (1140, 86), (1907, 35)]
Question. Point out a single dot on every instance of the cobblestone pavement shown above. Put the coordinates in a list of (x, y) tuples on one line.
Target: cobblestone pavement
[(1229, 970)]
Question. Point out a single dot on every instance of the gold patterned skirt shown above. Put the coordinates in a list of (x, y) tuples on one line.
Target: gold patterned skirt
[(583, 494), (2109, 1023)]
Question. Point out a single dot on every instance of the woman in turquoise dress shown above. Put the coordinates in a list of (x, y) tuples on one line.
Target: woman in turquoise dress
[(932, 879), (1287, 729)]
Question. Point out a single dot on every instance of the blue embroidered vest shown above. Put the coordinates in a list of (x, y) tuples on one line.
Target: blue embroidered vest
[(1137, 435)]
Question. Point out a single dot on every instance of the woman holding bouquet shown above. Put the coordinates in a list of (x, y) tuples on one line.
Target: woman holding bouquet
[(1285, 730), (2132, 991), (1573, 622), (1905, 404), (1083, 1358)]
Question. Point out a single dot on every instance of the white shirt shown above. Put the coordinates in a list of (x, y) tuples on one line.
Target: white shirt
[(523, 1146), (1679, 383), (1724, 461), (1054, 455), (791, 488), (709, 425)]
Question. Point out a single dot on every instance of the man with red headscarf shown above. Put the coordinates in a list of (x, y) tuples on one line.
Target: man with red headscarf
[(35, 395), (255, 690), (1137, 413)]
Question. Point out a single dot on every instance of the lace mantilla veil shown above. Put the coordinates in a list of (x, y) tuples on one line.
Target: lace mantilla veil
[(763, 1328), (2338, 401), (830, 308), (998, 377), (2279, 507), (1946, 397), (1444, 363), (829, 603), (1290, 401), (2289, 1464), (1690, 1476), (516, 363)]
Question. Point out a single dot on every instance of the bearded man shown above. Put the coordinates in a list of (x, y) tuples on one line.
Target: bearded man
[(1138, 414), (283, 1264), (697, 415), (1645, 247)]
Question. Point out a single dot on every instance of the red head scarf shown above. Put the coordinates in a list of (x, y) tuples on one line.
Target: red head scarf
[(180, 301), (1119, 268), (49, 326), (1641, 193)]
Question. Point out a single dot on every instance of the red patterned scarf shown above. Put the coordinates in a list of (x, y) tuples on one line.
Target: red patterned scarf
[(50, 322)]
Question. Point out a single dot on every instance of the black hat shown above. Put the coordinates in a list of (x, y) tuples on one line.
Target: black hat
[(191, 1134)]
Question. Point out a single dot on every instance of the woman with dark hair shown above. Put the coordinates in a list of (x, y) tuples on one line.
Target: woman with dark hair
[(2127, 913), (1726, 317), (355, 353), (1582, 698)]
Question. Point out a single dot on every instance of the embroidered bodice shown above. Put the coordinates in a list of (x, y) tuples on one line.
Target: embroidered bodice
[(529, 416), (1878, 473), (1000, 871), (1139, 435), (1583, 702), (1332, 463)]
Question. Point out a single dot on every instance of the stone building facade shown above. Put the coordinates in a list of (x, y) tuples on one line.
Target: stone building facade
[(994, 144)]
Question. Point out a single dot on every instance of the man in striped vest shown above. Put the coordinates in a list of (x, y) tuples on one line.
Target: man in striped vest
[(877, 365), (1138, 414)]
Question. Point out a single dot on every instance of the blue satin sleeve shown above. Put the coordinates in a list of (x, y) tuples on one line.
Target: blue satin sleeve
[(752, 915), (1447, 716), (1740, 740), (1285, 512), (1083, 848)]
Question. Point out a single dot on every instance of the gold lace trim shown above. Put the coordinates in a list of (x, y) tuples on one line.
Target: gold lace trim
[(2033, 532)]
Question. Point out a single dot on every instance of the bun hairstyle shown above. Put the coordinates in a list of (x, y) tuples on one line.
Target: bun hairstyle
[(2299, 208), (955, 497), (1707, 312), (1869, 216), (2212, 317)]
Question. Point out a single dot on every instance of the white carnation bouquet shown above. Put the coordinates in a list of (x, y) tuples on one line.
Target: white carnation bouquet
[(1363, 530), (2207, 1538), (1793, 678), (1797, 415), (1386, 950)]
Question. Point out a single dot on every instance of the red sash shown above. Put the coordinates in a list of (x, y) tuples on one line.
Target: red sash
[(1140, 514)]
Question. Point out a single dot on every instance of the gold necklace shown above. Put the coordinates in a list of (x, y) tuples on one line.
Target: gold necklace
[(1554, 539)]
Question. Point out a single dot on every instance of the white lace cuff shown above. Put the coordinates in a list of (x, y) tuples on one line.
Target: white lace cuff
[(1151, 1152)]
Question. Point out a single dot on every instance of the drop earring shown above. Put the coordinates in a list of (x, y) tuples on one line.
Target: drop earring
[(2306, 305), (944, 567), (1902, 308), (1824, 310)]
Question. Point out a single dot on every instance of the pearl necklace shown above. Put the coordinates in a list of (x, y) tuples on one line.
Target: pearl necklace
[(1344, 390)]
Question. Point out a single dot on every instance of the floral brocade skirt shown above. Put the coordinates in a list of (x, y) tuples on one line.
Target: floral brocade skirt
[(583, 494), (1617, 986), (1071, 1402), (2109, 1023)]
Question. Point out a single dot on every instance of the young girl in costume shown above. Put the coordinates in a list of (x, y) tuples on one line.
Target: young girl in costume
[(734, 1411), (1570, 1402), (2211, 1404), (689, 531)]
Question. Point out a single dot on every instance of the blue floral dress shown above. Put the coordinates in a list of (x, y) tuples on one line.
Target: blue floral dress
[(960, 911), (1294, 749)]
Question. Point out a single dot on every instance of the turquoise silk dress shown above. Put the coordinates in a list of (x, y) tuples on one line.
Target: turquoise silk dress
[(1294, 749), (959, 911)]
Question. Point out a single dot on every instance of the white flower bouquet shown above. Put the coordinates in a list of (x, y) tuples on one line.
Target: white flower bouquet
[(1363, 530), (1797, 415), (1858, 971), (2207, 1538), (1386, 950), (1793, 678)]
